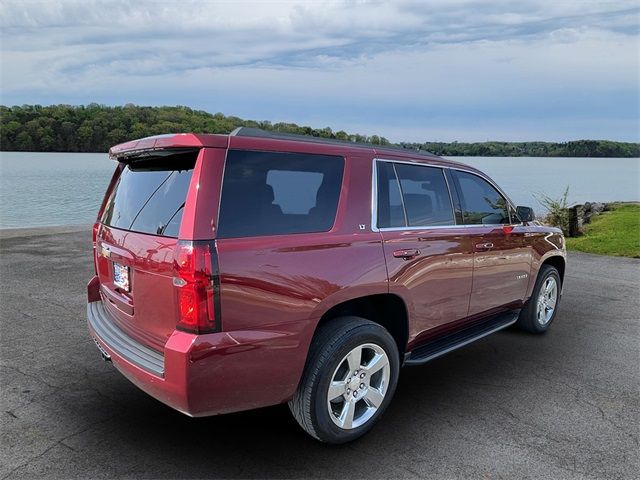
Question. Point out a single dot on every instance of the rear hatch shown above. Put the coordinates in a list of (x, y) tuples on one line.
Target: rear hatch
[(135, 243)]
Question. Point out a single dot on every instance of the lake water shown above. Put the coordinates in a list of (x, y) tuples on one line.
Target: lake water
[(48, 189)]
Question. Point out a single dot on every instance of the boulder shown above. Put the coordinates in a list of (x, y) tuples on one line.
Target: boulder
[(576, 220), (581, 214)]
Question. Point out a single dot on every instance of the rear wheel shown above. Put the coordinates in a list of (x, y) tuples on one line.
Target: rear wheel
[(348, 381), (541, 309)]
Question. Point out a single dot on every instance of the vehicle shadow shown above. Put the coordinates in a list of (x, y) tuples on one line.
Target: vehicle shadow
[(146, 439)]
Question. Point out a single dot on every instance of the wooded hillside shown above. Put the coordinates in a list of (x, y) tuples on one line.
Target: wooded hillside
[(95, 128)]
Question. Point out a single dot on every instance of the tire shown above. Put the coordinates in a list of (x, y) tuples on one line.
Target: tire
[(332, 359), (532, 318)]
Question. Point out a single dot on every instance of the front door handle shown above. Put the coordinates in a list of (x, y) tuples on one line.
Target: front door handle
[(484, 246), (406, 254)]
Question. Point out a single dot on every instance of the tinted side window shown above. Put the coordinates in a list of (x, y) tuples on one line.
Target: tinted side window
[(481, 203), (390, 207), (426, 195), (295, 192), (417, 196), (149, 196), (267, 193)]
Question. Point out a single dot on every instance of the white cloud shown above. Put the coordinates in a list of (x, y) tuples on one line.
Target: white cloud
[(332, 61)]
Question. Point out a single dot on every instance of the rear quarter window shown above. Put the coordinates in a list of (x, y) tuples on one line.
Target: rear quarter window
[(269, 193)]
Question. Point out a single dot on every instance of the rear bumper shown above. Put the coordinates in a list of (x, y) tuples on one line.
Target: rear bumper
[(209, 374), (161, 375), (129, 349)]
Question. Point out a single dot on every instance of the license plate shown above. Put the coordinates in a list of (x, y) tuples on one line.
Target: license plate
[(121, 276)]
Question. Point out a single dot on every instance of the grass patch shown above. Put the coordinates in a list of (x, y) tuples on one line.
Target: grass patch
[(616, 232)]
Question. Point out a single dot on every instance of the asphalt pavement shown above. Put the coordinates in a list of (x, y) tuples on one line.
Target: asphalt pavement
[(513, 405)]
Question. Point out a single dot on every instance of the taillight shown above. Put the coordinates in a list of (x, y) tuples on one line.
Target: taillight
[(94, 239), (193, 280)]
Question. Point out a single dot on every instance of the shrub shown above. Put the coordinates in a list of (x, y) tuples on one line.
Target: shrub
[(557, 210)]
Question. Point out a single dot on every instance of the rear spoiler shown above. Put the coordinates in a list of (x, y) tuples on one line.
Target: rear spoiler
[(134, 156), (163, 145)]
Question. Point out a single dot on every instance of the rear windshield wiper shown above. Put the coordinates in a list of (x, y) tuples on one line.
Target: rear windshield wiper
[(164, 226)]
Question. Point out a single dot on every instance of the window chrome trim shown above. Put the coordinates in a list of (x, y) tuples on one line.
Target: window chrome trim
[(401, 192), (453, 207), (430, 227), (374, 197)]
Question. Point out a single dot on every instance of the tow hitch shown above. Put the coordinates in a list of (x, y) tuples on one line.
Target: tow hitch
[(105, 356)]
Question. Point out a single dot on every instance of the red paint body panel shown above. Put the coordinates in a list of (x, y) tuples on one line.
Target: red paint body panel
[(287, 283), (547, 243), (435, 285), (216, 373), (501, 272), (146, 312), (273, 290), (199, 220)]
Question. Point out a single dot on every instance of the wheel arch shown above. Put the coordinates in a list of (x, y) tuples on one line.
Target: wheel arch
[(385, 309), (558, 262)]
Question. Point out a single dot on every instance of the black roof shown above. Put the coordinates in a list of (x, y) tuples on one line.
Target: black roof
[(258, 132)]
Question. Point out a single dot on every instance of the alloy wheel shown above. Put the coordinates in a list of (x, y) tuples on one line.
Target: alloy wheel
[(547, 300), (358, 386)]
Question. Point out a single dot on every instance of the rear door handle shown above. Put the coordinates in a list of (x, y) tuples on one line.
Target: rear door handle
[(484, 246), (406, 254)]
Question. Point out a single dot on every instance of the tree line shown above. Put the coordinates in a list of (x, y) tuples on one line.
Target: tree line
[(95, 128), (577, 148)]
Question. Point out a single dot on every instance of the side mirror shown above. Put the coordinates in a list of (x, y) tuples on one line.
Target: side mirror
[(526, 214)]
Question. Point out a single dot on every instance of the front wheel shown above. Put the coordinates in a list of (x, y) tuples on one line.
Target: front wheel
[(348, 381), (542, 307)]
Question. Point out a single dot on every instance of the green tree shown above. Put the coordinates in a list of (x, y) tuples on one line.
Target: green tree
[(24, 142), (94, 128)]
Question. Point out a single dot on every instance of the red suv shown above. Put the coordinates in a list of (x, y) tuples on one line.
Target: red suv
[(245, 270)]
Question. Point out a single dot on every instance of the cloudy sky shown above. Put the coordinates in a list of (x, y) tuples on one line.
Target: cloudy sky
[(409, 70)]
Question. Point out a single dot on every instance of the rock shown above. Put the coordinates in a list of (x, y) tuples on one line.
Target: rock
[(581, 214), (576, 219)]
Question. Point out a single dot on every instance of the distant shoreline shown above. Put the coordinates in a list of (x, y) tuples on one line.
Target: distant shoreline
[(448, 156), (95, 128)]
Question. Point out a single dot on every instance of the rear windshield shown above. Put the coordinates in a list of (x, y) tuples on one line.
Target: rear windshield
[(270, 193), (150, 194)]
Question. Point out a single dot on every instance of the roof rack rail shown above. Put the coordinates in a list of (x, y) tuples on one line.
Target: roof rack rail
[(258, 132)]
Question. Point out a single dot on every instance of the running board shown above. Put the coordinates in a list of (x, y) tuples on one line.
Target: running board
[(452, 341)]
